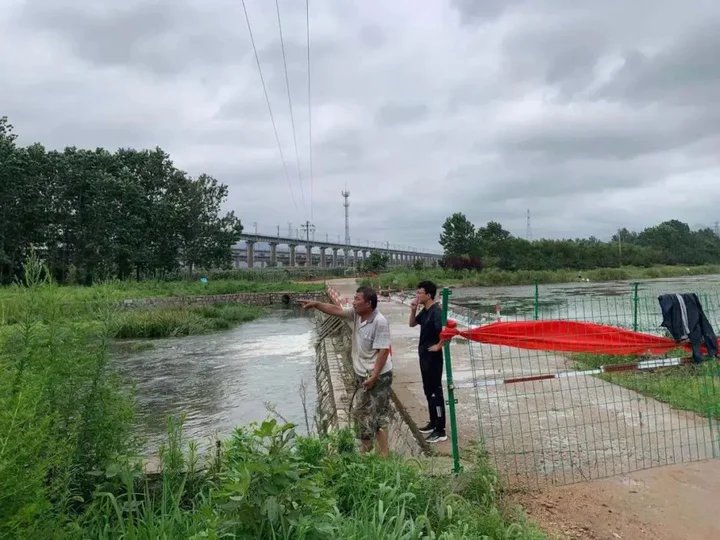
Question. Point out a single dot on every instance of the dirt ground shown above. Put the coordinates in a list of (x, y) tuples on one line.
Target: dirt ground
[(676, 502), (664, 502)]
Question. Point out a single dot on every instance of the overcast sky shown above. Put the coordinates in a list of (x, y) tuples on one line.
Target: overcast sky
[(593, 115)]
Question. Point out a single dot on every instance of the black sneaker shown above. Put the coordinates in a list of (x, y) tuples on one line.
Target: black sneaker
[(427, 428), (437, 436)]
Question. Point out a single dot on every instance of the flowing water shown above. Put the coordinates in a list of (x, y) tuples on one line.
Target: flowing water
[(223, 380)]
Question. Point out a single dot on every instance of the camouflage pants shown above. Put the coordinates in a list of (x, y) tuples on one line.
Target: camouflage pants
[(370, 412)]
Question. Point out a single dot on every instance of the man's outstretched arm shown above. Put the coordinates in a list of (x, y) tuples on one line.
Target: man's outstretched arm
[(329, 309)]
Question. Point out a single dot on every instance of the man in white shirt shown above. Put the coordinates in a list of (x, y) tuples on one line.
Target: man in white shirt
[(372, 364)]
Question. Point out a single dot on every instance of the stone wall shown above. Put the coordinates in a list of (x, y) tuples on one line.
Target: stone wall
[(253, 299)]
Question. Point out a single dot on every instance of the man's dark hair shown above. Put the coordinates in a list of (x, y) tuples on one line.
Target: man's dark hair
[(429, 287), (369, 295)]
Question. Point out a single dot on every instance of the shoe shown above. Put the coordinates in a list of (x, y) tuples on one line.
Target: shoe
[(437, 436), (427, 428)]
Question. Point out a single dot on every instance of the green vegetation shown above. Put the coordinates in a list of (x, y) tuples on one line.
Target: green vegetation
[(268, 483), (98, 215), (180, 321), (68, 465), (408, 279), (694, 387), (86, 306), (669, 243)]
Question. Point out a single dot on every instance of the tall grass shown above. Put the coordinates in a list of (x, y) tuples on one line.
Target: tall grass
[(80, 302), (271, 484), (62, 414), (181, 321)]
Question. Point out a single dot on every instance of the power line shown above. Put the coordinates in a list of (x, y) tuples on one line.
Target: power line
[(307, 24), (267, 100), (292, 117)]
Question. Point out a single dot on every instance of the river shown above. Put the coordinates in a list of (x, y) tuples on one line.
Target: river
[(223, 380)]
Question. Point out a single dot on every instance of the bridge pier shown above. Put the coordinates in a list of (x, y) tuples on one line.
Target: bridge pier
[(273, 254), (292, 254), (334, 257), (250, 253)]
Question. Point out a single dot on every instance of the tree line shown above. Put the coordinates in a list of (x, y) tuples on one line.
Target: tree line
[(94, 215), (671, 242)]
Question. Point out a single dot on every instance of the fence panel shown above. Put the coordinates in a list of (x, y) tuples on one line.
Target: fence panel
[(559, 418)]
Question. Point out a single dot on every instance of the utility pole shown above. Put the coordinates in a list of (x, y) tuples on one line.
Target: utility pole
[(528, 230), (289, 230), (255, 225), (308, 228), (278, 227), (346, 204)]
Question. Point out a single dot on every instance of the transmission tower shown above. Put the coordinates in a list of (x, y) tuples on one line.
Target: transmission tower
[(528, 230), (346, 204)]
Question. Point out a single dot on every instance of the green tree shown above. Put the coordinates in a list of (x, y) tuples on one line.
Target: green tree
[(207, 238), (458, 236), (376, 262), (492, 241)]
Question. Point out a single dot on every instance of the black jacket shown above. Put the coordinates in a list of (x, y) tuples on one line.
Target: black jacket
[(684, 318)]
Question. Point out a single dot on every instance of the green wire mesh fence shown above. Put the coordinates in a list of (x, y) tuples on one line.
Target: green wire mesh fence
[(559, 418)]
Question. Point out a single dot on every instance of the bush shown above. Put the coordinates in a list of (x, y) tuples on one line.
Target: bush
[(461, 262)]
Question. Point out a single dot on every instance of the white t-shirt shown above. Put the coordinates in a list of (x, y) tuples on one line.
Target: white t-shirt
[(369, 337)]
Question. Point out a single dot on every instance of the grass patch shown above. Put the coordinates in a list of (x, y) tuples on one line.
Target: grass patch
[(693, 387), (181, 321), (84, 303), (408, 279)]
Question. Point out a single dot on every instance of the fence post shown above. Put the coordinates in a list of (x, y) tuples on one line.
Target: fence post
[(536, 310), (636, 299), (451, 388)]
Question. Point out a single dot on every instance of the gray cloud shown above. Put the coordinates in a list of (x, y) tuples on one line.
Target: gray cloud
[(685, 73), (472, 11), (394, 114), (161, 37), (594, 116)]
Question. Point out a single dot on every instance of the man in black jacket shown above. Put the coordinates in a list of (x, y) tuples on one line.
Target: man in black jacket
[(684, 318), (431, 357)]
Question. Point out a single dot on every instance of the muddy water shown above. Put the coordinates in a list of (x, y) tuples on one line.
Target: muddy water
[(223, 380)]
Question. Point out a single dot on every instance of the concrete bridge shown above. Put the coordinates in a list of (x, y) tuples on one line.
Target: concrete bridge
[(317, 253)]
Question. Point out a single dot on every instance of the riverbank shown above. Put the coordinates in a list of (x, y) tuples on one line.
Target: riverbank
[(400, 279)]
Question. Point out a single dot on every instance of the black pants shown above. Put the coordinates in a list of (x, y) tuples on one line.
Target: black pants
[(431, 368)]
